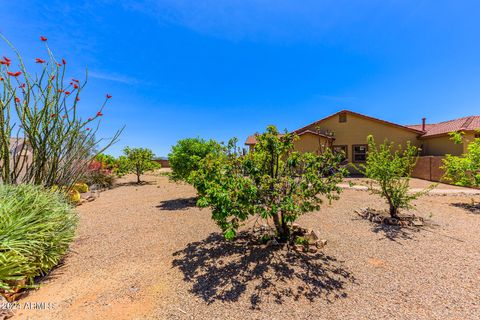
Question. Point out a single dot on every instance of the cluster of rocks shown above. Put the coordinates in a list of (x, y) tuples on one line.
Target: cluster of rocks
[(301, 239), (88, 196), (311, 240), (383, 217)]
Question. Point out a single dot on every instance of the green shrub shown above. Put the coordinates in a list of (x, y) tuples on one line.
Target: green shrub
[(272, 182), (36, 228), (464, 170), (390, 169), (187, 154)]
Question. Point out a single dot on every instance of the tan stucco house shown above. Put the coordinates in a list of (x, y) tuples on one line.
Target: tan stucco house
[(347, 131)]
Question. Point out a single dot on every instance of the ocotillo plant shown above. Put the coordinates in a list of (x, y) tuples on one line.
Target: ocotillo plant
[(43, 140)]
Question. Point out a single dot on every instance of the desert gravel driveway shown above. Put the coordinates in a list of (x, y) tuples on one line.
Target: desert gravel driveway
[(144, 252)]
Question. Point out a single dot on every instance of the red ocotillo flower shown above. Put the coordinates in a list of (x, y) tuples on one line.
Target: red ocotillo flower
[(38, 60), (90, 119), (88, 129), (77, 99), (17, 99), (1, 79), (59, 64), (108, 96), (67, 92), (64, 61), (75, 86), (52, 77), (5, 61), (64, 116), (75, 80), (60, 90), (53, 115), (14, 74), (22, 85), (43, 38), (99, 114)]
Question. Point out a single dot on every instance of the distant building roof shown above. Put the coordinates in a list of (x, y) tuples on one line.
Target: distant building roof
[(470, 123)]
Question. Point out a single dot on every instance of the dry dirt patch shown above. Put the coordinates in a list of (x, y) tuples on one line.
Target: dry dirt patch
[(145, 252)]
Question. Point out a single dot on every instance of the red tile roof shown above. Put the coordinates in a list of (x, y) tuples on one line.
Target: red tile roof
[(362, 116), (470, 123), (251, 140)]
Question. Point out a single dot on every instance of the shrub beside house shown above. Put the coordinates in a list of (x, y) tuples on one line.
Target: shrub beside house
[(346, 131)]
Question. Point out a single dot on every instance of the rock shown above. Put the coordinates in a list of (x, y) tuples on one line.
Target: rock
[(312, 249), (298, 247), (321, 243), (271, 243), (313, 236), (417, 222), (295, 226)]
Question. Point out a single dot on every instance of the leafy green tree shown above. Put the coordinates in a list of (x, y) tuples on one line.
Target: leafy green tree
[(187, 154), (464, 170), (390, 169), (273, 182), (138, 161), (108, 161)]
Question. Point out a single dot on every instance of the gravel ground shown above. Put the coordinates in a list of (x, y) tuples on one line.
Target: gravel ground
[(145, 252)]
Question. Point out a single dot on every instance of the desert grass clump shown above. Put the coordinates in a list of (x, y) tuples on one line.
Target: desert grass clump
[(36, 227)]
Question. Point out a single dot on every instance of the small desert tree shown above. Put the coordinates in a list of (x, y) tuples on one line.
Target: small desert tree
[(464, 170), (187, 154), (273, 182), (43, 138), (390, 169), (139, 160)]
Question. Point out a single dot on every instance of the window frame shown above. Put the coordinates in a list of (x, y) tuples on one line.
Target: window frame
[(353, 152)]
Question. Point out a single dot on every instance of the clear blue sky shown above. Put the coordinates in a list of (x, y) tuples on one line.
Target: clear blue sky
[(218, 69)]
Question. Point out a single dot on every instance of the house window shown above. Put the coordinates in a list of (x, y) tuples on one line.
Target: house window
[(341, 149), (359, 152), (342, 117)]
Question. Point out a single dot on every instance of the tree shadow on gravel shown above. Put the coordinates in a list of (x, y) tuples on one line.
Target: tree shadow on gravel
[(472, 208), (394, 233), (177, 204), (221, 270), (133, 184)]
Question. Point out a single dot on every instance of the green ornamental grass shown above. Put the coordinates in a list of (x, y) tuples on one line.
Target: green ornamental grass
[(36, 228)]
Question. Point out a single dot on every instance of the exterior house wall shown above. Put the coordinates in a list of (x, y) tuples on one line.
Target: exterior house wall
[(356, 129), (309, 142), (440, 146), (467, 138)]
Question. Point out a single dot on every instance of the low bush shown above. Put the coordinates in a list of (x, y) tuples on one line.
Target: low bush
[(464, 170), (389, 169), (187, 154), (36, 228), (97, 176)]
